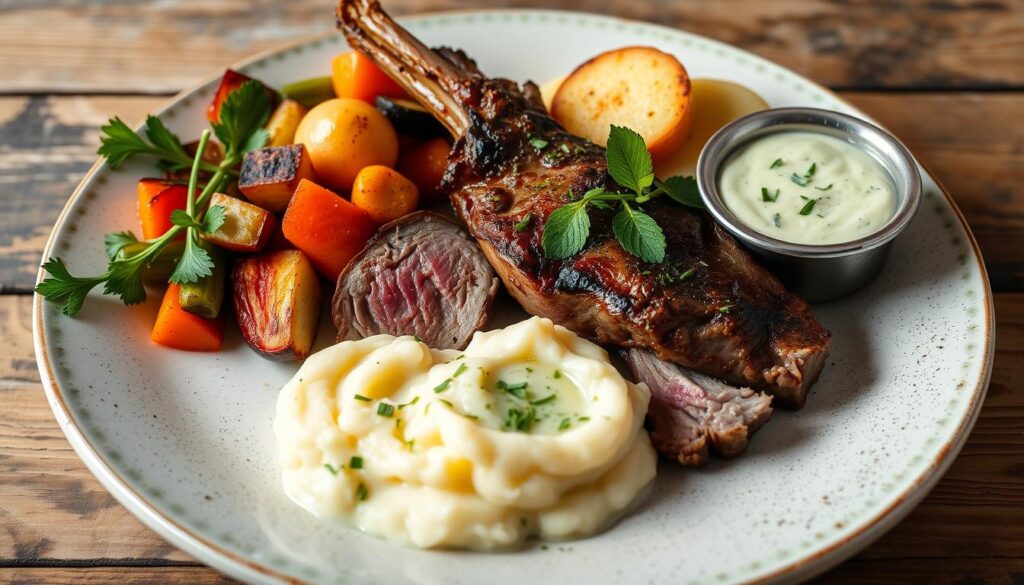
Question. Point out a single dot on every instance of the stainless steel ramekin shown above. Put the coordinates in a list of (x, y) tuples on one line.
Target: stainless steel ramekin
[(818, 273)]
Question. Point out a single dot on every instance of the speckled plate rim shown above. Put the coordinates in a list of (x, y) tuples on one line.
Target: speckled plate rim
[(210, 553)]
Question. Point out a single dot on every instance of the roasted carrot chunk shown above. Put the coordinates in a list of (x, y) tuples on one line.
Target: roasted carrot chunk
[(177, 328), (424, 164), (157, 200), (329, 229), (355, 75)]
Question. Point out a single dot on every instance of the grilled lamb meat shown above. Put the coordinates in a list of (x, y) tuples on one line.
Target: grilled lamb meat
[(419, 275), (728, 318), (690, 412)]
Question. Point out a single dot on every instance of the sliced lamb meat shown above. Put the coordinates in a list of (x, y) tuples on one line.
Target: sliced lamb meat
[(691, 412), (419, 275)]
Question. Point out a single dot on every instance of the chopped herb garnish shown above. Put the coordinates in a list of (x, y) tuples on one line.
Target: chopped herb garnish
[(538, 143), (520, 419), (362, 493), (414, 400), (356, 462), (524, 223), (459, 370), (557, 374), (776, 164), (334, 470), (566, 423), (450, 405), (544, 400), (584, 418), (417, 338), (363, 398), (805, 179), (686, 275), (703, 263), (767, 196), (724, 308), (385, 409), (808, 207), (517, 390), (442, 386), (410, 443), (471, 416), (777, 220), (824, 188)]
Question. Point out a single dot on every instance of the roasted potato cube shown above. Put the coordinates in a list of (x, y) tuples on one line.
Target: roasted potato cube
[(246, 227), (283, 122), (277, 303), (270, 175)]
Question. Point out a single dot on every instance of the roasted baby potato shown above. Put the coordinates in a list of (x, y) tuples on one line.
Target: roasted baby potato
[(270, 175), (637, 87), (277, 303), (283, 122)]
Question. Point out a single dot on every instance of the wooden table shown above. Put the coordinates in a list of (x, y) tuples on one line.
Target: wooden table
[(946, 76)]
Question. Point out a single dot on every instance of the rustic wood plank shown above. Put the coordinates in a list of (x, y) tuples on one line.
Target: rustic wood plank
[(112, 46), (963, 138), (105, 575), (972, 523), (49, 143)]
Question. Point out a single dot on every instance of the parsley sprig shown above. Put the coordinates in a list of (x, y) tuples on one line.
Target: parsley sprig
[(240, 129), (630, 165)]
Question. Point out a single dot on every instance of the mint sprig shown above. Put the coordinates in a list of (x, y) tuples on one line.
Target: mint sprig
[(630, 165)]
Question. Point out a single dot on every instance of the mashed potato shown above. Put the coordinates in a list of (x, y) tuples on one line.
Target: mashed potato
[(529, 431)]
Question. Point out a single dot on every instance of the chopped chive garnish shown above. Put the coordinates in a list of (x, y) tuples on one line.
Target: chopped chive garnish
[(362, 493), (538, 143), (767, 196), (557, 374), (356, 462), (459, 370), (544, 400), (584, 418), (566, 423), (517, 390), (471, 416), (777, 220), (724, 308), (448, 403), (808, 207), (520, 419), (810, 171), (334, 470), (686, 275), (521, 225), (363, 398), (824, 188), (414, 400), (385, 409), (802, 181), (442, 386), (776, 164)]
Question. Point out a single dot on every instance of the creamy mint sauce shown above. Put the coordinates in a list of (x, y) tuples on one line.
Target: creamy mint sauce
[(807, 188)]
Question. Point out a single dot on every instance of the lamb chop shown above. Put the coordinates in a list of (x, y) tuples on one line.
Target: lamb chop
[(727, 318)]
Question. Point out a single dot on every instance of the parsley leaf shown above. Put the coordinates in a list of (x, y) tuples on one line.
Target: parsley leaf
[(629, 163), (639, 234), (566, 230), (242, 116), (117, 240)]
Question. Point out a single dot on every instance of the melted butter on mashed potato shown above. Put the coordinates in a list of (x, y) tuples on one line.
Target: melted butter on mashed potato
[(529, 431)]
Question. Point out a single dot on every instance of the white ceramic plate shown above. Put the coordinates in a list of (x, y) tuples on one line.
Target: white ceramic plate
[(184, 440)]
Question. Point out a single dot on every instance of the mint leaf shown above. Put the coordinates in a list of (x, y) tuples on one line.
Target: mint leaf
[(117, 240), (639, 234), (629, 163), (683, 190), (566, 230)]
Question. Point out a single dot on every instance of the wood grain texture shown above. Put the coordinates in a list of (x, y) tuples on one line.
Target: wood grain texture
[(112, 46), (962, 137), (192, 575), (972, 523)]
